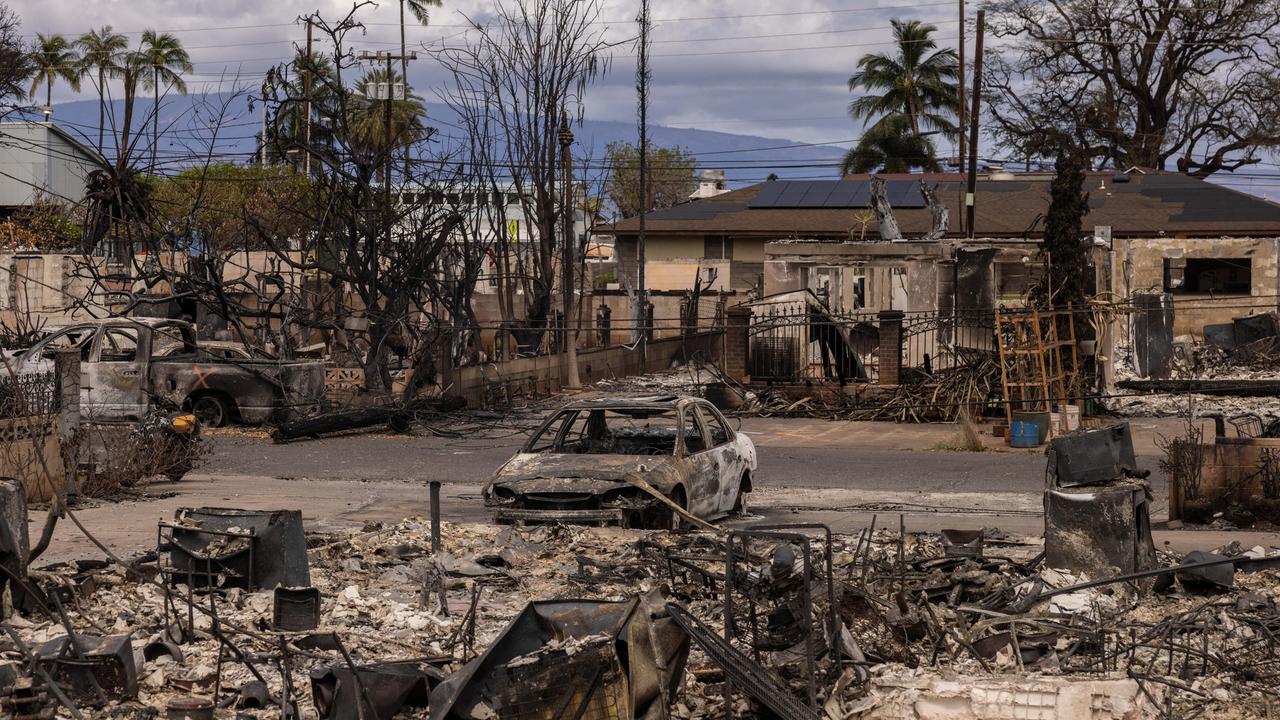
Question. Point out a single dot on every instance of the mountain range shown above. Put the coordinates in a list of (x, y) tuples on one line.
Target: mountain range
[(187, 137)]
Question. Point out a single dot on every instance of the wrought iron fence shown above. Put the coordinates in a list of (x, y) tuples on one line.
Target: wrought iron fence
[(789, 342), (28, 394), (792, 342), (934, 340)]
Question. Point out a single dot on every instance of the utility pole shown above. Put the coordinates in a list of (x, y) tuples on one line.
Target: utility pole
[(642, 88), (387, 108), (404, 78), (306, 105), (970, 198), (960, 88), (567, 254), (960, 126)]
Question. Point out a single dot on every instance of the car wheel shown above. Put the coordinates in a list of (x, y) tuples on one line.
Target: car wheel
[(210, 410)]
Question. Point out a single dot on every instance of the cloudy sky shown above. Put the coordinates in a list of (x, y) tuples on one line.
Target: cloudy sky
[(750, 66), (753, 67)]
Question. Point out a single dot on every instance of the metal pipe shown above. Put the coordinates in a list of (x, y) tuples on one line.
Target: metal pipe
[(434, 486)]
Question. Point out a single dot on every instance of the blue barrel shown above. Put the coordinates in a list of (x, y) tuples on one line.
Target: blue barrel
[(1039, 418), (1024, 434)]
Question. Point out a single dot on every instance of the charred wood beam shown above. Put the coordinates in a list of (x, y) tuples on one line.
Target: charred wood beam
[(398, 417), (1226, 388)]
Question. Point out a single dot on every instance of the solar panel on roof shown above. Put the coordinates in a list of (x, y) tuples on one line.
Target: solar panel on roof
[(792, 194), (834, 194), (847, 194), (768, 194), (817, 194)]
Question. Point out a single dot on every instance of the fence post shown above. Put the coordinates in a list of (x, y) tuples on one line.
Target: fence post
[(890, 350), (736, 329), (603, 323), (67, 372)]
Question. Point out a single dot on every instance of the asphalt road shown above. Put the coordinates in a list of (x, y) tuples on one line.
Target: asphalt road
[(844, 474), (854, 456)]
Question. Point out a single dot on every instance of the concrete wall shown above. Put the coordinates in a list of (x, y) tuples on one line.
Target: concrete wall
[(46, 289), (31, 450), (670, 261), (496, 384), (1138, 264), (899, 276)]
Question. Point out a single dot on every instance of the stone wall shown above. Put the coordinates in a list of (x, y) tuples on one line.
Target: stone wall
[(496, 384)]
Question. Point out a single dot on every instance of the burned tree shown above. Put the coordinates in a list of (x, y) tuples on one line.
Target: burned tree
[(1148, 83), (15, 63), (378, 236), (532, 62)]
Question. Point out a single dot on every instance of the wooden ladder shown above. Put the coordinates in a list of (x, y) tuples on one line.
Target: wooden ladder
[(1032, 368)]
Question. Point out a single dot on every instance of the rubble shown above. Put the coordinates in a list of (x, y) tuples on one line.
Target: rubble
[(887, 623)]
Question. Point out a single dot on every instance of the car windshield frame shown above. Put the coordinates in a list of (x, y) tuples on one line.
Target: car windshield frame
[(626, 432)]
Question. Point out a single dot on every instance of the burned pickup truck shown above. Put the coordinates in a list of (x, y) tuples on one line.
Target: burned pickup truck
[(128, 365), (605, 462)]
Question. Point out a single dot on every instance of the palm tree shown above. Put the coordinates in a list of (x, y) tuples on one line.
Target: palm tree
[(54, 58), (912, 89), (419, 10), (133, 69), (366, 115), (420, 13), (167, 59), (890, 147), (100, 52)]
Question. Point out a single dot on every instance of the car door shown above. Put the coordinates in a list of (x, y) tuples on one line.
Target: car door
[(729, 463), (704, 469), (78, 337), (115, 375)]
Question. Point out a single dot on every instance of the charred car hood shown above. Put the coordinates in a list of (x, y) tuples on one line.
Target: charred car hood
[(583, 473)]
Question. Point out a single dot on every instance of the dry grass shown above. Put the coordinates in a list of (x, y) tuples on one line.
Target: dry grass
[(968, 438)]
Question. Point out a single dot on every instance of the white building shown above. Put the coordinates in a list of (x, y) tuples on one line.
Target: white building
[(40, 160)]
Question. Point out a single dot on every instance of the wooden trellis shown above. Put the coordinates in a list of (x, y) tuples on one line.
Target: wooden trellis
[(1032, 358)]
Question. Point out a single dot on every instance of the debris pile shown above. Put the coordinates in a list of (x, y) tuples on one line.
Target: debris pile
[(1234, 370), (560, 621)]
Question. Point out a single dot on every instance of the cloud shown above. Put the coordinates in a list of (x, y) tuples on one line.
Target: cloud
[(791, 85)]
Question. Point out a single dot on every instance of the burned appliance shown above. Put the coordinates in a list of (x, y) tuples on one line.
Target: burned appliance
[(93, 670), (1090, 457), (248, 549), (389, 687), (1097, 515), (295, 609), (573, 659)]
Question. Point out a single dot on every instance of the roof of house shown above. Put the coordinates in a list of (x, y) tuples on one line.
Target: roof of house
[(1008, 205), (87, 152)]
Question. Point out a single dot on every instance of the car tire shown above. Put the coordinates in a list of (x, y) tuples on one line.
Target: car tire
[(211, 410)]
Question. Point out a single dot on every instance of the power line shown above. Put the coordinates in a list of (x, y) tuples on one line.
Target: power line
[(621, 21)]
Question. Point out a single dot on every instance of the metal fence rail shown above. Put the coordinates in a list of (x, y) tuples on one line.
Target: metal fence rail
[(790, 344), (934, 340), (29, 394)]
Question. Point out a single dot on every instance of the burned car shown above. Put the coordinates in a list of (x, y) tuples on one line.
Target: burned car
[(589, 463)]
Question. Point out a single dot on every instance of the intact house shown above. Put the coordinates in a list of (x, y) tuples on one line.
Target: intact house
[(39, 160), (1151, 231), (1214, 250)]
